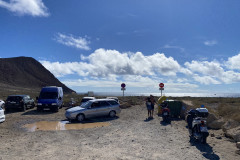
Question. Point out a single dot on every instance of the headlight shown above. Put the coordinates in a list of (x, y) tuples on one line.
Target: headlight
[(39, 104), (54, 104)]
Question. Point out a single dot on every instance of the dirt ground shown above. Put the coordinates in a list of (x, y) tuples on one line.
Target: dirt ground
[(129, 136)]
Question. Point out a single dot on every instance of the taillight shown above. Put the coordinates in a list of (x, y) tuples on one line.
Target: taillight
[(202, 123)]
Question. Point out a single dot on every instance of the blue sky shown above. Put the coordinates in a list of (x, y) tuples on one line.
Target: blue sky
[(190, 46)]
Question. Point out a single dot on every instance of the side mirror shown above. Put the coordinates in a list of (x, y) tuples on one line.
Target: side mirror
[(36, 98), (89, 107), (60, 98)]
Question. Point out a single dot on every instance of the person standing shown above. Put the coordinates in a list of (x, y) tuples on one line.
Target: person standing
[(152, 104), (148, 105)]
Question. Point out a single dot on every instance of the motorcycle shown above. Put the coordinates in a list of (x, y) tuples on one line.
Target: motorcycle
[(197, 124), (165, 113)]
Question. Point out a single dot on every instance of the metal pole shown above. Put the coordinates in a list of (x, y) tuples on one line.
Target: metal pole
[(161, 93), (123, 92)]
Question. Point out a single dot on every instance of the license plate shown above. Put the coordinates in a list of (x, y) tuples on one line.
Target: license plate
[(203, 129), (165, 113)]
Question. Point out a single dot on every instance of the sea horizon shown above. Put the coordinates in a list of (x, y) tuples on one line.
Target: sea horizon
[(118, 94)]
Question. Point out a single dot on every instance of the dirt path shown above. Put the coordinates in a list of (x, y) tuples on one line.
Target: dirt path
[(129, 136)]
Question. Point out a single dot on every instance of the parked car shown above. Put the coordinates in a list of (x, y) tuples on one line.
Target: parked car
[(2, 116), (115, 98), (50, 97), (2, 104), (85, 99), (19, 102), (93, 108)]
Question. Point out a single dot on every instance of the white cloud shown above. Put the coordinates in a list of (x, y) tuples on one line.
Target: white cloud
[(205, 79), (174, 47), (106, 63), (109, 67), (206, 68), (212, 72), (234, 62), (210, 43), (26, 7), (70, 40), (145, 84)]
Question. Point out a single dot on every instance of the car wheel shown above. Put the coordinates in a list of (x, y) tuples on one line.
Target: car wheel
[(112, 114), (56, 109), (39, 109), (80, 117), (33, 105), (7, 110), (24, 107)]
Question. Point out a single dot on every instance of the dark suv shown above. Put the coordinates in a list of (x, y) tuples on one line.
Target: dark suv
[(19, 102)]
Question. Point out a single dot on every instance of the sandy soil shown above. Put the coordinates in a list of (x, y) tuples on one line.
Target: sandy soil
[(129, 136)]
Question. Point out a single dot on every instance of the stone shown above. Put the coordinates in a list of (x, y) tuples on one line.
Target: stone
[(238, 145), (234, 134), (216, 124), (211, 117), (229, 125)]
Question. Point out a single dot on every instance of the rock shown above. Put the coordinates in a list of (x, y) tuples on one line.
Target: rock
[(125, 105), (216, 124), (212, 135), (237, 152), (238, 145), (211, 117), (233, 133), (229, 125)]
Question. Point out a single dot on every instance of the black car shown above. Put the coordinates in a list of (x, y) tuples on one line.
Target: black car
[(19, 102)]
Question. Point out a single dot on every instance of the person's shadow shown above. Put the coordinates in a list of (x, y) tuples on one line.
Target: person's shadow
[(205, 149), (148, 119)]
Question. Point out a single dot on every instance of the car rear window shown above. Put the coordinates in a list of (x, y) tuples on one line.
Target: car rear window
[(86, 99), (113, 102), (14, 98)]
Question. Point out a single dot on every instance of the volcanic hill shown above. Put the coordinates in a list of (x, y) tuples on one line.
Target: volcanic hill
[(21, 74)]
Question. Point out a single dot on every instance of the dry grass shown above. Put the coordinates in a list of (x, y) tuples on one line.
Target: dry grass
[(228, 108)]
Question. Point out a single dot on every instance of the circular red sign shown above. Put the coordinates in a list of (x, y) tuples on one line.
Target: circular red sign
[(161, 85), (123, 85)]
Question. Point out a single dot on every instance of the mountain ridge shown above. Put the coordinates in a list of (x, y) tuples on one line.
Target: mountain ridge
[(27, 73)]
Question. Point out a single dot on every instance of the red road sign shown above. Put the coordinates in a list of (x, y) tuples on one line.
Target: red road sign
[(161, 85), (123, 85)]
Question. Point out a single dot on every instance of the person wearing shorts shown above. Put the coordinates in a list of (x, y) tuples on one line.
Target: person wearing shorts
[(152, 104), (149, 106)]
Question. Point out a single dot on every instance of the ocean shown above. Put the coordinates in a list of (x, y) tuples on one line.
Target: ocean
[(233, 95)]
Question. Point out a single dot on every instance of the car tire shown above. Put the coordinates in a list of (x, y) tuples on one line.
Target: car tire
[(112, 114), (7, 110), (24, 106), (32, 106), (80, 117), (56, 109), (39, 109)]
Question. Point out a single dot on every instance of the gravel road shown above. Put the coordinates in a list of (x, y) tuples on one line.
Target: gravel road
[(129, 136)]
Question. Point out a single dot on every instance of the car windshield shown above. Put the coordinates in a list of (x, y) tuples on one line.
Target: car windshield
[(48, 95), (14, 98)]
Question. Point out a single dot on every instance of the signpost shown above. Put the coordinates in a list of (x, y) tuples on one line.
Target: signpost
[(123, 85), (161, 85)]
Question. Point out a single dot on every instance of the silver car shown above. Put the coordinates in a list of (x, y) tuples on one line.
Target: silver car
[(93, 108)]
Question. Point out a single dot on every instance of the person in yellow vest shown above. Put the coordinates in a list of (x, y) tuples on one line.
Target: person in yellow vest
[(160, 100)]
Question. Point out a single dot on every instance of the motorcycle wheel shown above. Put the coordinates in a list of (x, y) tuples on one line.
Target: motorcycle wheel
[(204, 140)]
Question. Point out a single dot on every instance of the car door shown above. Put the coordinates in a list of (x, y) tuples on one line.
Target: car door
[(104, 108), (92, 110)]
